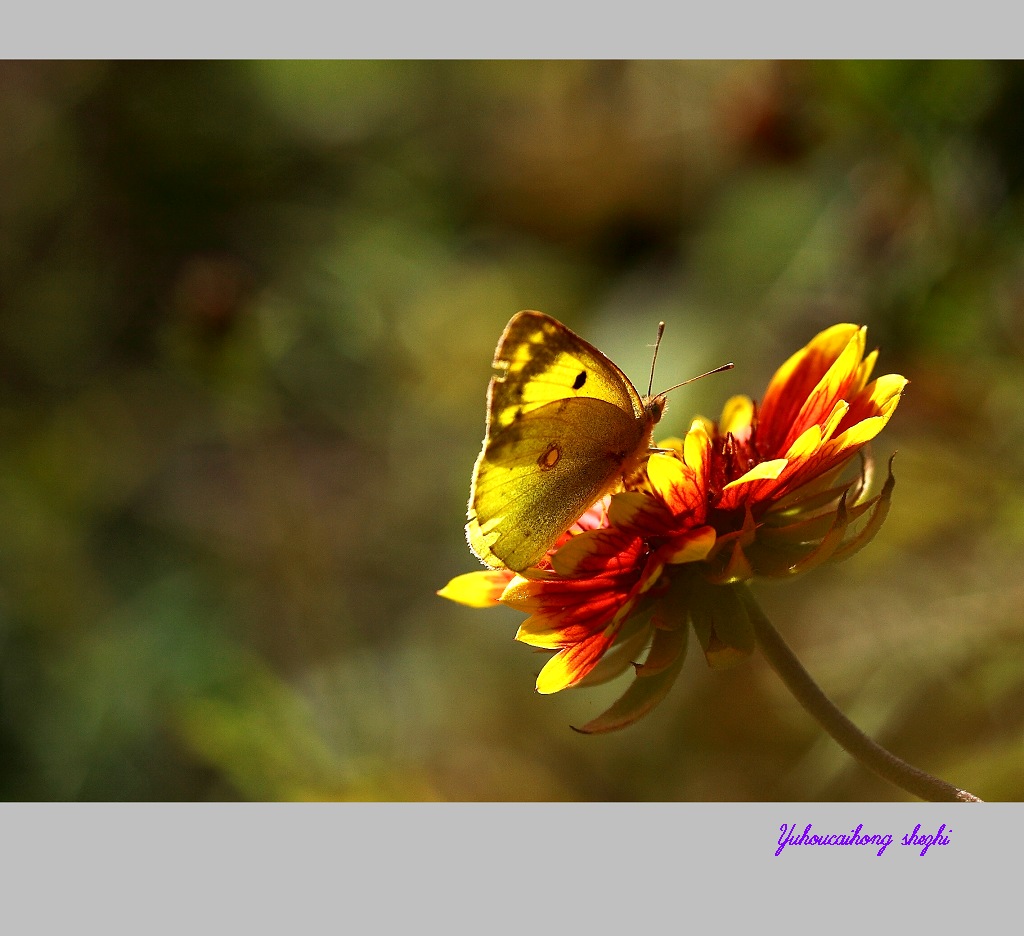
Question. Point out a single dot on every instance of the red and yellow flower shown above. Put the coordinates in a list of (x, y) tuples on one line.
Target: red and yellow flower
[(760, 493)]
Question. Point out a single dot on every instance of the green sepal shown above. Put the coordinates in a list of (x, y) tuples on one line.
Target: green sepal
[(648, 689), (666, 647), (727, 561), (628, 646), (881, 510), (722, 625)]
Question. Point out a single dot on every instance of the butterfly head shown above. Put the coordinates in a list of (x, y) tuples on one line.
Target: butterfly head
[(654, 407), (654, 403)]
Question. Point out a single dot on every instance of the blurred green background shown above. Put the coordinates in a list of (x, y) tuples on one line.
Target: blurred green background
[(248, 313)]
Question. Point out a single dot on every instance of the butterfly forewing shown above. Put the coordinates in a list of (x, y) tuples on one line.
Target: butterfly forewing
[(540, 360)]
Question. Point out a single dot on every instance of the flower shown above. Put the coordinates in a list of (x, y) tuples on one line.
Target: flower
[(779, 464), (757, 494)]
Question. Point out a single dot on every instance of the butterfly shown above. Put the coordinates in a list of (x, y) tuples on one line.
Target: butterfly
[(564, 426)]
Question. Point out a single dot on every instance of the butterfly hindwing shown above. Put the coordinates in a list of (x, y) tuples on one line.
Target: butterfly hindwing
[(565, 470), (562, 424)]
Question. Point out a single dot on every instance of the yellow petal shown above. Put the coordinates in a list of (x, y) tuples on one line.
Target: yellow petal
[(829, 343), (628, 508), (768, 470), (665, 472), (864, 372), (543, 631), (523, 594), (477, 589), (697, 447), (737, 417), (886, 391), (807, 443), (831, 383), (556, 675), (863, 432), (885, 395), (834, 419), (567, 667), (694, 548)]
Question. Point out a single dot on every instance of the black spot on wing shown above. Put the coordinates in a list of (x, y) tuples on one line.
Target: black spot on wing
[(581, 379)]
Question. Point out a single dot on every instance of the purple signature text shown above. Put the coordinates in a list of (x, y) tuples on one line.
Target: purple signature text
[(791, 836)]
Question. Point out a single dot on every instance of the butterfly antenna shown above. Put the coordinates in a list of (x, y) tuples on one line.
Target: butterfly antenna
[(654, 360), (717, 370)]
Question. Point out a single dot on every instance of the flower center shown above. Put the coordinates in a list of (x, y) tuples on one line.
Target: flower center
[(731, 458)]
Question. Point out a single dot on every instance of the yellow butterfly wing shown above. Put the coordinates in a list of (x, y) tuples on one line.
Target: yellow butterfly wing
[(563, 425)]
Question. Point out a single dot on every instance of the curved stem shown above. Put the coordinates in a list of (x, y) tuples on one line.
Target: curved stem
[(843, 731)]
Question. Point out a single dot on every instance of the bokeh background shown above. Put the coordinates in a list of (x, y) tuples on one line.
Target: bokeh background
[(247, 313)]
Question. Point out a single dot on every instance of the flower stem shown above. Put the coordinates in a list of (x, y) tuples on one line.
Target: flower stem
[(843, 731)]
